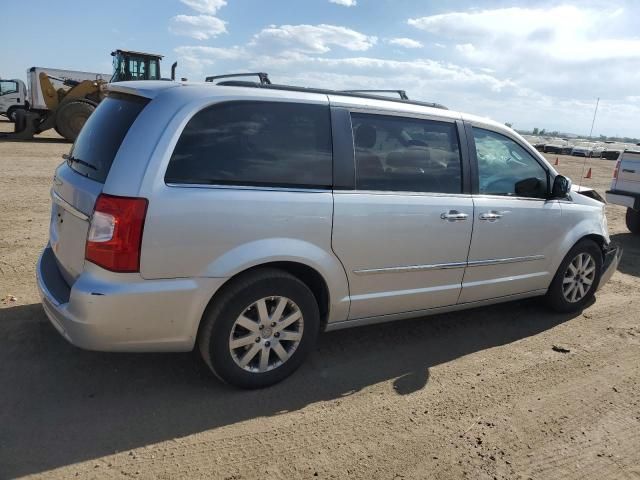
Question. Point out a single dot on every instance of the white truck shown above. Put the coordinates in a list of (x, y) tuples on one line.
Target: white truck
[(13, 97), (625, 187), (16, 95), (52, 98)]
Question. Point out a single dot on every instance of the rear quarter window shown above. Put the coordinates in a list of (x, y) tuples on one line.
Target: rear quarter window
[(273, 144), (101, 136)]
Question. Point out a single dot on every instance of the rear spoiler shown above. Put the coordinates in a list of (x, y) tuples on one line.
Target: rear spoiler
[(139, 88)]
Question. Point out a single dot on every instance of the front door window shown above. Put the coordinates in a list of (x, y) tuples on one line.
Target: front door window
[(506, 168)]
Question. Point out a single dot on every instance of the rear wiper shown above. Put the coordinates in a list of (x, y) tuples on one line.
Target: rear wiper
[(72, 159)]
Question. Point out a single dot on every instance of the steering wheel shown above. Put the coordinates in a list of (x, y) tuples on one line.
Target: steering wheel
[(511, 161), (497, 183)]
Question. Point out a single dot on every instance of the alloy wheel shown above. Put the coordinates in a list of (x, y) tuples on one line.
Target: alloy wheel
[(579, 277), (266, 334)]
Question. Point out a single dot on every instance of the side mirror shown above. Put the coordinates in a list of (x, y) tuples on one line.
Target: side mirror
[(561, 187)]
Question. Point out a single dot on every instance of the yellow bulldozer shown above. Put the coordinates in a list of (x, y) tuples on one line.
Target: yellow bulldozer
[(67, 107)]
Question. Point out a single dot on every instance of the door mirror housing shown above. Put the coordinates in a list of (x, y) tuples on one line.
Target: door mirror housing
[(561, 187)]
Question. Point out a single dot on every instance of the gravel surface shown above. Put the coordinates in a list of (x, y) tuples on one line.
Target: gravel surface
[(510, 391)]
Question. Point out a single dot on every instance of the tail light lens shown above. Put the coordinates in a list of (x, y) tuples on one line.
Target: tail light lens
[(615, 170), (115, 234)]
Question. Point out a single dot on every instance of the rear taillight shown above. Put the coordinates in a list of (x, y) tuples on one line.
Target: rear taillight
[(115, 233), (615, 170)]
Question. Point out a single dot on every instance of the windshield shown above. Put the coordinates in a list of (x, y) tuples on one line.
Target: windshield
[(100, 138), (7, 87)]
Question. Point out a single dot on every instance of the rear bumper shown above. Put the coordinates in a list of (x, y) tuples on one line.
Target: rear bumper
[(626, 199), (611, 259), (123, 312)]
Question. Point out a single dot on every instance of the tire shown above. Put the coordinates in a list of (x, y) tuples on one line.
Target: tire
[(220, 326), (12, 113), (70, 118), (560, 297), (633, 220)]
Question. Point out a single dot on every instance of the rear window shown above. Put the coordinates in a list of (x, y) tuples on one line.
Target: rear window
[(255, 144), (100, 138)]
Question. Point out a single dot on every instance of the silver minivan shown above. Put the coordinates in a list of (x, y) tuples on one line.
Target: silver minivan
[(243, 219)]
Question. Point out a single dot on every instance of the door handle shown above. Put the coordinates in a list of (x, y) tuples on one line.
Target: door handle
[(453, 216), (490, 216)]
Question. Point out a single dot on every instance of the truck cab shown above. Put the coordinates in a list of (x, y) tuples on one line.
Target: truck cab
[(130, 65), (625, 187), (13, 97)]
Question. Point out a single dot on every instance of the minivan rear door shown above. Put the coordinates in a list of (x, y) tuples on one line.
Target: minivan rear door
[(402, 228), (80, 179)]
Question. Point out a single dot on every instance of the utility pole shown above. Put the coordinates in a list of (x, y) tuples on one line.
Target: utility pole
[(594, 118)]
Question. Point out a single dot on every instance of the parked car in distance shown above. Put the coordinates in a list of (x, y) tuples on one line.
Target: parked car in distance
[(539, 144), (597, 150), (625, 188), (557, 146), (582, 149), (244, 219), (613, 150)]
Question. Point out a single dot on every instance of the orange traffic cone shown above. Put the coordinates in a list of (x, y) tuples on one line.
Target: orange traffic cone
[(588, 175), (557, 162)]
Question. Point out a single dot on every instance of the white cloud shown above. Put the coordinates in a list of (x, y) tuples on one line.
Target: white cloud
[(566, 33), (466, 49), (405, 42), (194, 60), (310, 38), (539, 66), (561, 51), (200, 27), (346, 3), (205, 6)]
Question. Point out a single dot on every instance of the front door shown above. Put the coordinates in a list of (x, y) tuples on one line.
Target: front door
[(403, 233), (516, 231)]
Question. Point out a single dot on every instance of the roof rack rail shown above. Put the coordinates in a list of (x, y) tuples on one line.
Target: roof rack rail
[(401, 93), (264, 77), (266, 83)]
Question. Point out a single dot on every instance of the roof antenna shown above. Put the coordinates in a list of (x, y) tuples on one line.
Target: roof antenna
[(584, 164)]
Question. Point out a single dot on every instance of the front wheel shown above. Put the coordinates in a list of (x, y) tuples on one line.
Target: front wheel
[(71, 117), (577, 279), (12, 113), (633, 220), (260, 329)]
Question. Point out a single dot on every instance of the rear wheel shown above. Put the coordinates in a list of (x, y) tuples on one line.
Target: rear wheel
[(577, 279), (71, 117), (633, 220), (260, 329), (12, 113)]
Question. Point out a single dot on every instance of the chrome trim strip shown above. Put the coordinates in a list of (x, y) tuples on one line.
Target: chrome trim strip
[(500, 261), (356, 322), (68, 207), (447, 266), (411, 268), (247, 187)]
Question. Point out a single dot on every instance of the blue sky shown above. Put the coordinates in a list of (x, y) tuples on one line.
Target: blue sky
[(534, 64)]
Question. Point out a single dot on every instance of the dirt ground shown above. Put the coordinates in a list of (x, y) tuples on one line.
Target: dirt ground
[(477, 394)]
